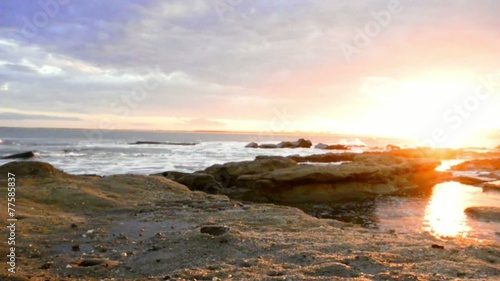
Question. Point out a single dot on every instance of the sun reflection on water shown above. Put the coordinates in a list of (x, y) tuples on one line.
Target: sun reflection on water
[(444, 214)]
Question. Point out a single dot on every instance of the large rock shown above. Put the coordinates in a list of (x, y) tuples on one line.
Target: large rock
[(317, 158), (484, 213), (195, 181), (268, 146), (164, 143), (228, 173), (252, 145), (365, 177), (490, 164), (300, 143), (24, 155), (492, 186), (31, 169), (331, 147)]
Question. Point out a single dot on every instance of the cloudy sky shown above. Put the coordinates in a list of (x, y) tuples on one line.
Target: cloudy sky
[(366, 67)]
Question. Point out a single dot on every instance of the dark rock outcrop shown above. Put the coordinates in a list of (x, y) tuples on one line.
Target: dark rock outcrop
[(24, 155), (484, 213), (252, 145), (490, 164), (365, 177), (468, 180), (331, 147), (492, 186), (268, 146), (317, 158), (195, 181), (214, 230), (227, 173), (300, 143), (31, 169), (164, 143)]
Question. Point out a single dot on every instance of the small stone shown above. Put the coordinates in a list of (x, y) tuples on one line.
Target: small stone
[(215, 230), (75, 248), (47, 265), (124, 254), (436, 246)]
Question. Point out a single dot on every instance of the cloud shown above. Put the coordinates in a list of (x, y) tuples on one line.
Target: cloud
[(22, 116), (244, 64)]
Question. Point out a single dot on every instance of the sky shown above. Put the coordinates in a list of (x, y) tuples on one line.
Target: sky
[(423, 69)]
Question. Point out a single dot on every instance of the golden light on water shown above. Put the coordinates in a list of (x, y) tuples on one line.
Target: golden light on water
[(444, 214)]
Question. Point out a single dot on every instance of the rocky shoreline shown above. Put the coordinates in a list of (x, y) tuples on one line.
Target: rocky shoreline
[(169, 227)]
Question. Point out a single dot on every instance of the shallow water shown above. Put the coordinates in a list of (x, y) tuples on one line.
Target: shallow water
[(440, 214)]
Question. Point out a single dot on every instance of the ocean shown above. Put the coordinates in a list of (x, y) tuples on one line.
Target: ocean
[(104, 153), (99, 152)]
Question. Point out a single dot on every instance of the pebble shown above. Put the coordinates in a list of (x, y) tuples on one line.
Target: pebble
[(436, 246), (214, 230)]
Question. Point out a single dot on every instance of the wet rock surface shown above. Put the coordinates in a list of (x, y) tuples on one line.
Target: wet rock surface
[(486, 213), (489, 164)]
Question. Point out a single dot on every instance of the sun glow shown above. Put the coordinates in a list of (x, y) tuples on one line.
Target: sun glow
[(444, 214), (438, 112)]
